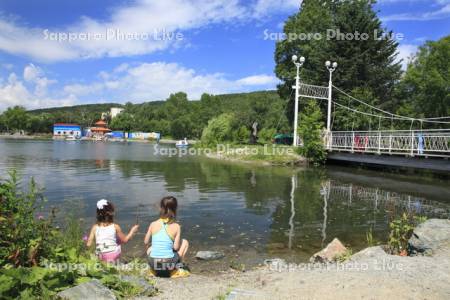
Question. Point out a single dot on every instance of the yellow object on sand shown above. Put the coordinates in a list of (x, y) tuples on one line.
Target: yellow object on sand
[(178, 273)]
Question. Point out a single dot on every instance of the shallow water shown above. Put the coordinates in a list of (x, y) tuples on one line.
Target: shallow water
[(249, 212)]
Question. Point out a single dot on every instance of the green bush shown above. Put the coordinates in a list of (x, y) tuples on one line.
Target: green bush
[(219, 129), (310, 131), (26, 237), (242, 135), (32, 248), (401, 230), (266, 135)]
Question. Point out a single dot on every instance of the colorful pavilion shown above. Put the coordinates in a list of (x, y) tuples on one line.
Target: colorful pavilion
[(100, 129)]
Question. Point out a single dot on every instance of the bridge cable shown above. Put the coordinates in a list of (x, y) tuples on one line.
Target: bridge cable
[(380, 116), (399, 117), (387, 117), (284, 110)]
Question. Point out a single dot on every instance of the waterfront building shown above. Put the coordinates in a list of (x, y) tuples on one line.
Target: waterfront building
[(100, 129), (115, 111), (63, 130), (144, 135)]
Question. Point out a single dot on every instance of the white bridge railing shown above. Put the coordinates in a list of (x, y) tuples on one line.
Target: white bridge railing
[(399, 142)]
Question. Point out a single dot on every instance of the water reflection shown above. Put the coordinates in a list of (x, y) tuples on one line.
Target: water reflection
[(236, 208), (291, 219), (325, 192)]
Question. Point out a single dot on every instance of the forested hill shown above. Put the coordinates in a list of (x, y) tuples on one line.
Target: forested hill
[(177, 116), (102, 107)]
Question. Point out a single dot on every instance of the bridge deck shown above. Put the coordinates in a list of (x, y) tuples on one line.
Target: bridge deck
[(435, 164), (414, 143)]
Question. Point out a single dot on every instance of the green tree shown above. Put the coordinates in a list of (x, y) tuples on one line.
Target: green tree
[(15, 118), (210, 106), (181, 127), (124, 121), (219, 129), (314, 17), (39, 123), (424, 90), (242, 135), (2, 123), (310, 131), (177, 116), (266, 135), (367, 63)]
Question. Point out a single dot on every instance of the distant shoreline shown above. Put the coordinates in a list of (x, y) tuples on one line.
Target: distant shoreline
[(50, 137), (274, 159), (26, 137)]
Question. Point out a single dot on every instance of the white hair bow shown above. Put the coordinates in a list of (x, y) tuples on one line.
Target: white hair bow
[(102, 203)]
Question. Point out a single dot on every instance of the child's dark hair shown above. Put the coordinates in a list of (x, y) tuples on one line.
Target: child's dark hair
[(168, 207), (106, 214)]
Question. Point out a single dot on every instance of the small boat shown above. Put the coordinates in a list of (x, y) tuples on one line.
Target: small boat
[(71, 138), (182, 143)]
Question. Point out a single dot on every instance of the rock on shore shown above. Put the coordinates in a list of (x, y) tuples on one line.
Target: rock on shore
[(329, 254), (430, 236), (93, 289), (369, 274), (209, 255)]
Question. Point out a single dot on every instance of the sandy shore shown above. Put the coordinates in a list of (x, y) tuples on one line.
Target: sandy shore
[(386, 277), (369, 274)]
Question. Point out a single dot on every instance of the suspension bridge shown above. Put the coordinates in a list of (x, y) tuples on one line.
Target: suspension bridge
[(417, 147)]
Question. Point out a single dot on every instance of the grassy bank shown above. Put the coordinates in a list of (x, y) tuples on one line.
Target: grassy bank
[(39, 258), (276, 155)]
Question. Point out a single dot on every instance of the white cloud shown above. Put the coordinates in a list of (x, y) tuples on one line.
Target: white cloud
[(258, 80), (20, 40), (35, 75), (31, 73), (144, 17), (127, 82), (406, 53), (30, 91), (156, 81), (440, 13), (83, 90), (141, 17), (266, 7)]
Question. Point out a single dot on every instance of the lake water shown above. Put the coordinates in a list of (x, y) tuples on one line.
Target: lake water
[(249, 212)]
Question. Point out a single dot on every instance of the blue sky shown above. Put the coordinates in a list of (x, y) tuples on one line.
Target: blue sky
[(220, 46)]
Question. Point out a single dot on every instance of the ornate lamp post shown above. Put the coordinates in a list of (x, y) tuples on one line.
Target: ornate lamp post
[(298, 63), (331, 68)]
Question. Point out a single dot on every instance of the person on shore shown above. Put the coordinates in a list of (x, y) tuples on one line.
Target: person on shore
[(108, 236), (165, 248)]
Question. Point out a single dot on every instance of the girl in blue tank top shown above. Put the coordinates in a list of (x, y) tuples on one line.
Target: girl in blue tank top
[(165, 248)]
